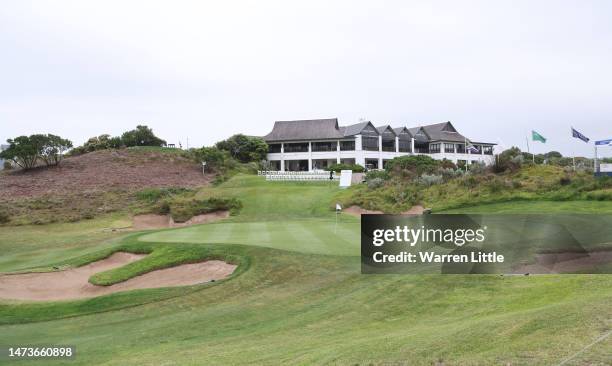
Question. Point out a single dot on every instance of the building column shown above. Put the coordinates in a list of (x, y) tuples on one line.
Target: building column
[(380, 159), (337, 152), (309, 156), (282, 164), (396, 144), (412, 145)]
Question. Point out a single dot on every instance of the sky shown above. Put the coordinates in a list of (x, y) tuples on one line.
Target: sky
[(204, 70)]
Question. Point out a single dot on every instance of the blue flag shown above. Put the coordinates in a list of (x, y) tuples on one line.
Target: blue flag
[(604, 142), (578, 135)]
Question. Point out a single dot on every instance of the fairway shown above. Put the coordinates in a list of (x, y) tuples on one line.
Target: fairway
[(298, 296)]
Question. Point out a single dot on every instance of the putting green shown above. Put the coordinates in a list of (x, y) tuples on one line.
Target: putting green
[(314, 236)]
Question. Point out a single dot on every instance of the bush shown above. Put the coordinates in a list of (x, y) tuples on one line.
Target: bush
[(244, 148), (216, 160), (4, 216), (355, 168), (449, 173), (509, 160), (7, 165), (182, 211), (430, 179), (478, 168), (155, 194), (414, 165), (374, 174), (376, 183), (141, 136)]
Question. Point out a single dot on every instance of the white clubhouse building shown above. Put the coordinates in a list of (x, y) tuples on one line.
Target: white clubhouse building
[(309, 145)]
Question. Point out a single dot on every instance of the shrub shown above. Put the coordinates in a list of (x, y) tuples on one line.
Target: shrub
[(155, 194), (4, 216), (564, 181), (376, 183), (182, 211), (449, 173), (244, 148), (478, 168), (141, 136), (7, 165), (355, 168), (381, 174), (216, 160), (414, 165), (508, 160), (430, 179)]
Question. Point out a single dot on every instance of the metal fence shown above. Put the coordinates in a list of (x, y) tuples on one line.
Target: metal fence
[(321, 175)]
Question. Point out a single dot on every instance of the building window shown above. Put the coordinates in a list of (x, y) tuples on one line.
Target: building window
[(434, 148), (460, 148), (405, 143), (369, 143), (347, 145), (487, 150), (449, 148), (274, 148), (324, 146), (296, 165), (321, 164), (349, 161), (479, 148), (371, 163), (274, 165), (388, 141), (296, 147)]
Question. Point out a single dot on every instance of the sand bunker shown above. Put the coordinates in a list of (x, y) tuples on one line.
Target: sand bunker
[(358, 211), (565, 262), (73, 283), (151, 221)]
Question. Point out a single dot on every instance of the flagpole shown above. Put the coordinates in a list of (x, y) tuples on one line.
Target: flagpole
[(595, 160), (528, 151), (573, 151)]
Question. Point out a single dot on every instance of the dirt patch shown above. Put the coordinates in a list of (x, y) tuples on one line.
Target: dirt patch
[(151, 221), (123, 169), (73, 283), (565, 262)]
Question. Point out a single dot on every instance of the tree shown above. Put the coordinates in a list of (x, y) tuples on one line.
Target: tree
[(216, 159), (553, 154), (244, 148), (141, 136), (53, 149), (24, 151)]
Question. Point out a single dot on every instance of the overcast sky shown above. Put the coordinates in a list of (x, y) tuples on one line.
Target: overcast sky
[(207, 70)]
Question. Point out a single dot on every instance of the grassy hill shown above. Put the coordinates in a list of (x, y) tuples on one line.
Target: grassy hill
[(94, 184), (299, 297), (539, 183)]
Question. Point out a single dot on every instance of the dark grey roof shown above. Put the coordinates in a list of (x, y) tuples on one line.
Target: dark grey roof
[(356, 128), (399, 130), (311, 129), (382, 129), (444, 131)]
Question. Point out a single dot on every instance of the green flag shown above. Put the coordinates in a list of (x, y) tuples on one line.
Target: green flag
[(537, 137)]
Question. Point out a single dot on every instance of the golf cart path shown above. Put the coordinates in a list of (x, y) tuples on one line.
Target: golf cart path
[(73, 283)]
